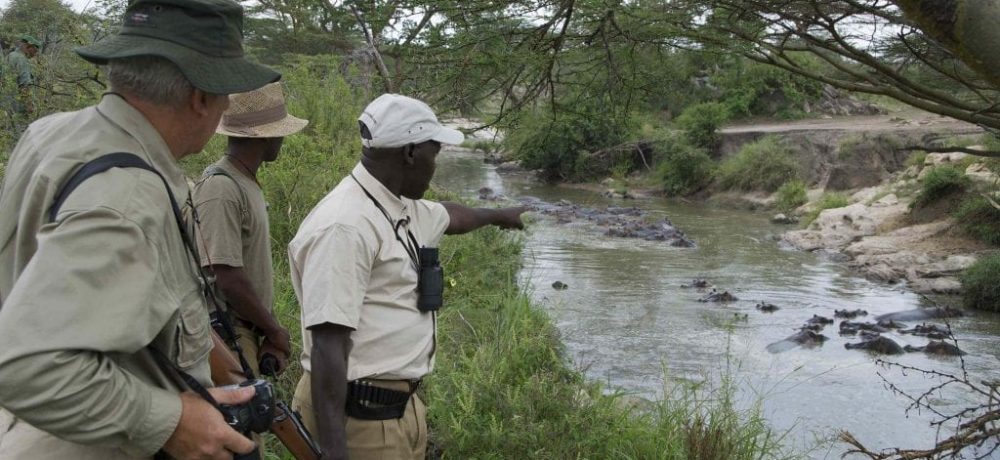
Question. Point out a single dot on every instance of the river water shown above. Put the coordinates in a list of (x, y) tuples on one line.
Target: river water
[(626, 321)]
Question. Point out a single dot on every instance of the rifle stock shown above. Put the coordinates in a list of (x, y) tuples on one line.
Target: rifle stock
[(287, 426)]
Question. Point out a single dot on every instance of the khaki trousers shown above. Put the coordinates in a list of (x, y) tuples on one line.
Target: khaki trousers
[(21, 441), (250, 344), (394, 439)]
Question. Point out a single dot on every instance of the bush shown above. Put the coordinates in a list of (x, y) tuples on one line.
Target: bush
[(700, 122), (761, 165), (791, 195), (681, 167), (981, 284), (941, 182), (554, 144), (827, 201), (979, 219), (916, 158)]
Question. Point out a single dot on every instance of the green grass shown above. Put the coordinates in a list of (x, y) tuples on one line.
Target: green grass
[(761, 165), (979, 219), (681, 167), (940, 182), (981, 284), (791, 195), (827, 201)]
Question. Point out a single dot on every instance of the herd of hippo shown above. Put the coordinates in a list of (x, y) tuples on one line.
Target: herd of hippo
[(615, 221), (941, 341)]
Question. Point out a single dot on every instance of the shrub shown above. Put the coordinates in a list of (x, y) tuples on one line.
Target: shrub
[(761, 165), (791, 195), (681, 167), (700, 122), (827, 201), (981, 284), (917, 158), (979, 219), (939, 183), (554, 144)]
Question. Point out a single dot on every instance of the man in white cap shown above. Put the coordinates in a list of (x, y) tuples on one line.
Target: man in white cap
[(364, 268), (236, 243)]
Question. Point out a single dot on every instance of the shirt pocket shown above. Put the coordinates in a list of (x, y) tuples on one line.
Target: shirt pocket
[(192, 340)]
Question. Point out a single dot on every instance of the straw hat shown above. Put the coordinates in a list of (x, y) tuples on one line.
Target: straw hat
[(259, 113)]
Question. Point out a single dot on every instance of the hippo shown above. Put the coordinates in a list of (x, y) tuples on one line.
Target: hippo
[(487, 194), (921, 314), (851, 327), (716, 296), (559, 285), (804, 338), (880, 345), (890, 324), (849, 314), (767, 307), (811, 327), (821, 320), (699, 283), (938, 347), (931, 331)]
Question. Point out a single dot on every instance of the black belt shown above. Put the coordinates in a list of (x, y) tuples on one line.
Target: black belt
[(368, 401)]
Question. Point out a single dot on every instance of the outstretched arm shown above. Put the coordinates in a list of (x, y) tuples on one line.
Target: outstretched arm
[(464, 219)]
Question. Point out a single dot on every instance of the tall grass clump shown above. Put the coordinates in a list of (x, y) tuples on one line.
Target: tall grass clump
[(761, 165), (940, 182), (701, 122), (681, 167), (981, 284), (827, 201), (979, 219), (791, 195)]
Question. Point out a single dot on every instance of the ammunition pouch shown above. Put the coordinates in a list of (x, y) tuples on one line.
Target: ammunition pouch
[(366, 401)]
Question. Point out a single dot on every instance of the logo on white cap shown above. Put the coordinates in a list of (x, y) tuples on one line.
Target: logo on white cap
[(395, 120)]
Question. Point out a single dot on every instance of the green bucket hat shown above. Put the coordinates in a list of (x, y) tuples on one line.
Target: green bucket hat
[(31, 41), (203, 38)]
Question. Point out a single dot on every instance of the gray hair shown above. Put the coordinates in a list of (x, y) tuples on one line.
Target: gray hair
[(150, 78)]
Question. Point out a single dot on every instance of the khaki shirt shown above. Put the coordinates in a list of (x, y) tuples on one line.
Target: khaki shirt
[(84, 299), (348, 268), (234, 226)]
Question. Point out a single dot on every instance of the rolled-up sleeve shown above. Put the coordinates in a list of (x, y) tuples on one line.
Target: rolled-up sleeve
[(83, 298), (334, 268)]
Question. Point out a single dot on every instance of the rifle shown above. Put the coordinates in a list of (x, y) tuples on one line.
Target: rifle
[(287, 426)]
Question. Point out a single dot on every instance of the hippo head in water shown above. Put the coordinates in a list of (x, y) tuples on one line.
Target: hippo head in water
[(880, 345)]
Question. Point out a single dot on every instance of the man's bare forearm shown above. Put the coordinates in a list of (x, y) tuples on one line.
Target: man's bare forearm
[(328, 357), (463, 219), (243, 299)]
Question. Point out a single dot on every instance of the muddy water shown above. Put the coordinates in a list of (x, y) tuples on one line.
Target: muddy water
[(626, 321)]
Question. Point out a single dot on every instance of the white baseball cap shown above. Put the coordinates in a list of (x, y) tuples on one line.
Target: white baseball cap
[(395, 120)]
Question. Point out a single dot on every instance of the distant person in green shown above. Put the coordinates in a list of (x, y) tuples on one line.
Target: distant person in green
[(19, 65)]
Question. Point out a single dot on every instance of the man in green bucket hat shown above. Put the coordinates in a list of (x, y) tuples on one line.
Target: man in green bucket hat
[(19, 65), (101, 306)]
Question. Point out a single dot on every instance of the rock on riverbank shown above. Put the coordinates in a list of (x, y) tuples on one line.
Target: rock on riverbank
[(879, 236)]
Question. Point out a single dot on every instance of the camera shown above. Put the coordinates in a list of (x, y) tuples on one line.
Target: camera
[(430, 283), (253, 416)]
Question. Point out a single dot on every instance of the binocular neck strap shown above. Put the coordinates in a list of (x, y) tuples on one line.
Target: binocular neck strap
[(411, 247)]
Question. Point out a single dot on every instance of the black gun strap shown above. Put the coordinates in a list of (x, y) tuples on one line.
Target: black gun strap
[(128, 160)]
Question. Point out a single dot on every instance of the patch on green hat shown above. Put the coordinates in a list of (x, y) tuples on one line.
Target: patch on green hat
[(203, 38)]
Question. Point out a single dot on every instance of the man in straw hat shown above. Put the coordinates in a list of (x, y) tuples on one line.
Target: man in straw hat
[(364, 266), (103, 310), (234, 227)]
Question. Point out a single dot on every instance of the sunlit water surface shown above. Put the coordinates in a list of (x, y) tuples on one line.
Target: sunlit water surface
[(626, 321)]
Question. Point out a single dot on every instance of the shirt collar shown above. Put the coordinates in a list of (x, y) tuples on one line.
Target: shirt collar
[(394, 205), (134, 123)]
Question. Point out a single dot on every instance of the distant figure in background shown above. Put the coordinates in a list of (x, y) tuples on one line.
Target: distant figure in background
[(19, 65)]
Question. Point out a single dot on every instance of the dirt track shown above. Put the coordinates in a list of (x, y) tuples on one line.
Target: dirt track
[(900, 121)]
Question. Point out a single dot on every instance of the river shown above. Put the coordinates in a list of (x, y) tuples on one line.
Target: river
[(626, 321)]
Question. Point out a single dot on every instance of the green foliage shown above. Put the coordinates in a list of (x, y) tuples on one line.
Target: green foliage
[(681, 167), (761, 165), (827, 201), (940, 182), (791, 195), (701, 121), (981, 284), (749, 88), (917, 158), (979, 219), (556, 144)]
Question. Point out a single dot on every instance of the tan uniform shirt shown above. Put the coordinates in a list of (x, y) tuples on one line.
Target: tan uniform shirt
[(348, 268), (83, 300), (234, 226)]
